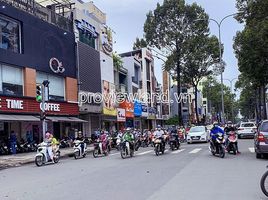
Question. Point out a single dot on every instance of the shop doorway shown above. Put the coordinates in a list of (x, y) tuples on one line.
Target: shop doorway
[(56, 130)]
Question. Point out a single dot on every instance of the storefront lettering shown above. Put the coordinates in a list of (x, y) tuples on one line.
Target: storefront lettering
[(51, 107), (14, 104)]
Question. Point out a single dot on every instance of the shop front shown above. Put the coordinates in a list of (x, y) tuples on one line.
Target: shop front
[(137, 115), (129, 107), (144, 115), (22, 115)]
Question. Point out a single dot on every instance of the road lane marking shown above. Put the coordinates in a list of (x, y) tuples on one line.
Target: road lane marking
[(146, 152), (177, 151), (114, 154), (195, 150), (251, 149)]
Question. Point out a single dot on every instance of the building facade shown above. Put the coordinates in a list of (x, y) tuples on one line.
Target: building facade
[(33, 50)]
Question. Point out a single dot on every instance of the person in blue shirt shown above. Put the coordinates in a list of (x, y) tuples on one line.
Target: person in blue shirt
[(214, 131)]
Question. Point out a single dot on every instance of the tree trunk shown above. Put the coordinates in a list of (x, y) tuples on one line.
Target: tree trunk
[(195, 102), (179, 86), (264, 102)]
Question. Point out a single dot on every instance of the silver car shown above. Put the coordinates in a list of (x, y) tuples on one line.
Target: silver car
[(261, 139), (198, 134)]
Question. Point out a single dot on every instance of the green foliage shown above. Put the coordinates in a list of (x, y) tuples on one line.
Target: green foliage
[(212, 91), (118, 63), (172, 121), (139, 43)]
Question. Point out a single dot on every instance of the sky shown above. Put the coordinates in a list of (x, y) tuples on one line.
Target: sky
[(127, 17)]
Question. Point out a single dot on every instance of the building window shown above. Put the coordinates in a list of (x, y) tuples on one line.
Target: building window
[(11, 81), (56, 85), (9, 34), (87, 38)]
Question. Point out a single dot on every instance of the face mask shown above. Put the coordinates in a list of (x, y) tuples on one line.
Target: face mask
[(159, 129)]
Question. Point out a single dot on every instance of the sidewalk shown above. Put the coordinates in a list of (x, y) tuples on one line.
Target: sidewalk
[(8, 161)]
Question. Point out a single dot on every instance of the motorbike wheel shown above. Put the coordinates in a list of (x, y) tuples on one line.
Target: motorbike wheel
[(221, 151), (172, 147), (95, 153), (131, 153), (57, 157), (264, 187), (39, 161), (234, 149), (76, 154), (123, 153), (157, 149)]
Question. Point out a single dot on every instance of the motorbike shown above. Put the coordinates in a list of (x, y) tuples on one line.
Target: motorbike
[(78, 149), (42, 157), (64, 143), (118, 142), (264, 187), (218, 147), (174, 144), (98, 149), (231, 143), (158, 146), (126, 150)]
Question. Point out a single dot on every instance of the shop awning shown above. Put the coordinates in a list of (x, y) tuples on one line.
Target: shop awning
[(26, 118), (64, 119)]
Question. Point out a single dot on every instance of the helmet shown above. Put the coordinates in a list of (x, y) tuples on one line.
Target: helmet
[(128, 129), (47, 134), (158, 126)]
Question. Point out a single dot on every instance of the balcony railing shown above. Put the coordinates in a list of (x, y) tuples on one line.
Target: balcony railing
[(48, 15)]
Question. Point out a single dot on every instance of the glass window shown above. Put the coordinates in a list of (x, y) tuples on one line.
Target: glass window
[(247, 125), (197, 129), (264, 127), (9, 34), (11, 81), (56, 85)]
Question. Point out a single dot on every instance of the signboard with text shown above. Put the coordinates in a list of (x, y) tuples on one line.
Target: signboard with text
[(30, 105)]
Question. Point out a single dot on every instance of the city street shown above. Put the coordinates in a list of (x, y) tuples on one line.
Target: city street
[(189, 173)]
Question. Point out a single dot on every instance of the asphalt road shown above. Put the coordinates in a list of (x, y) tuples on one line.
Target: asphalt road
[(191, 173)]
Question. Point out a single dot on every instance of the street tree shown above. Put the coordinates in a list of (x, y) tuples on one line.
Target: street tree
[(251, 46), (169, 28)]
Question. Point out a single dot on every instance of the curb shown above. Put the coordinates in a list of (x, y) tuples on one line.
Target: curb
[(19, 164)]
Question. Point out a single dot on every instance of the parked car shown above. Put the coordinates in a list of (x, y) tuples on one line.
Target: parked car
[(198, 134), (246, 130), (261, 139)]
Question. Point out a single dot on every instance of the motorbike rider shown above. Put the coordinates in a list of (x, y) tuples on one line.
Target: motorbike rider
[(80, 138), (174, 133), (104, 139), (129, 137), (48, 140), (214, 131), (159, 134), (228, 129)]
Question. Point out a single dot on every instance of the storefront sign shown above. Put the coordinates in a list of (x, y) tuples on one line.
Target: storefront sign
[(151, 113), (121, 115), (51, 107), (144, 110), (108, 91), (56, 66), (129, 106), (137, 109), (30, 105)]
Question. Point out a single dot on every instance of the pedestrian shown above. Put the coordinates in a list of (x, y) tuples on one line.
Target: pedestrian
[(13, 141)]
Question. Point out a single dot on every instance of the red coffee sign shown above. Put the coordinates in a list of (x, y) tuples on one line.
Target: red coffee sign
[(29, 105)]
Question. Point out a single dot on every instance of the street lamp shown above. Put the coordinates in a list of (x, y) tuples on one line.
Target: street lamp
[(219, 23), (231, 84)]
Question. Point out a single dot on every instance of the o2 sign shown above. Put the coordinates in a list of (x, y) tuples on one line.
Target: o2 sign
[(56, 66)]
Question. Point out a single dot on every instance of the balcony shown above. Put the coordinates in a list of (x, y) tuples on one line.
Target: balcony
[(46, 14)]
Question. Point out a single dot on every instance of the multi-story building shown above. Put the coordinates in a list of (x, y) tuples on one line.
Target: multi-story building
[(147, 84), (36, 46)]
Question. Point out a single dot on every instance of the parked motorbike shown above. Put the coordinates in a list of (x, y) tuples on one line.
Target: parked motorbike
[(78, 151), (42, 156), (99, 150), (174, 144), (126, 150), (263, 184), (218, 147), (64, 143), (158, 146), (231, 143)]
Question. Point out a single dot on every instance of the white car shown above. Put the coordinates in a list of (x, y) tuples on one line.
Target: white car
[(246, 130), (198, 134)]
